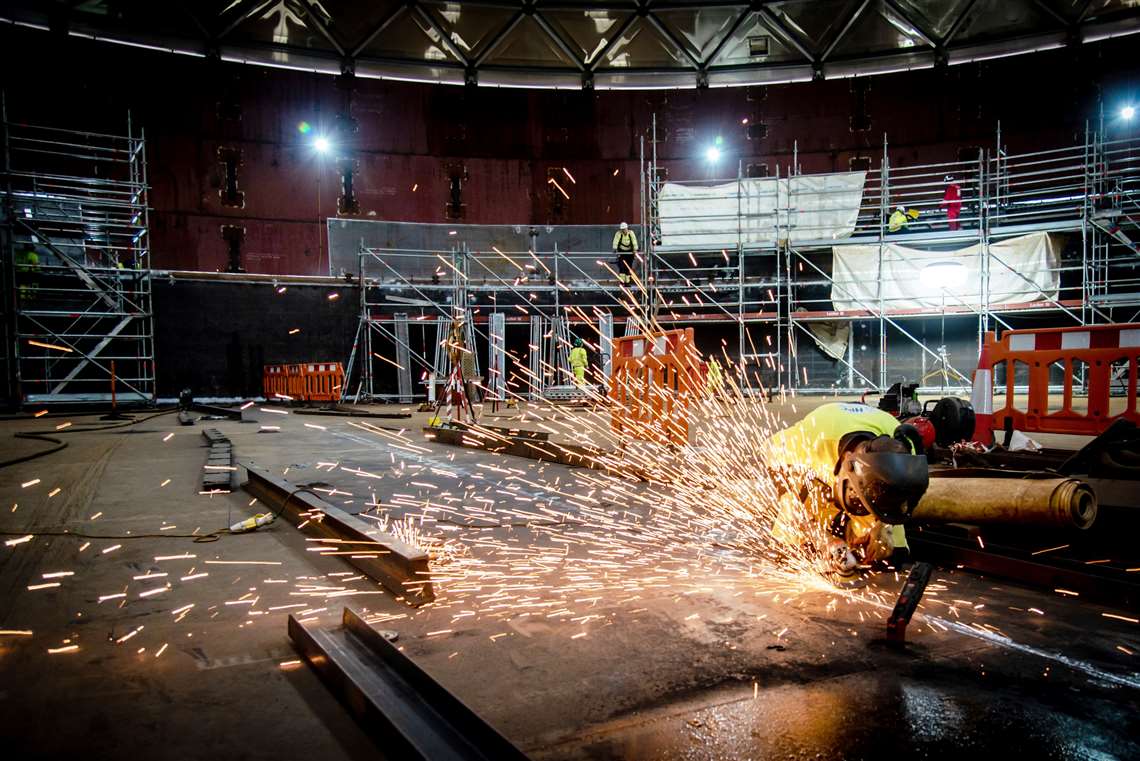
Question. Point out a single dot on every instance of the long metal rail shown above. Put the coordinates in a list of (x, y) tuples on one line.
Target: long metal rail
[(412, 715)]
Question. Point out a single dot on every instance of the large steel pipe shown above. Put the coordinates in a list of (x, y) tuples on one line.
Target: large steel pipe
[(1056, 502)]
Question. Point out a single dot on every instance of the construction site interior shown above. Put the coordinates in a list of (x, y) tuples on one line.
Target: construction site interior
[(555, 380)]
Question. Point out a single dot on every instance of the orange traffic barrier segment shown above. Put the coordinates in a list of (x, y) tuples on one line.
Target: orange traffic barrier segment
[(1092, 363), (273, 383), (295, 382), (307, 382), (323, 381), (653, 380)]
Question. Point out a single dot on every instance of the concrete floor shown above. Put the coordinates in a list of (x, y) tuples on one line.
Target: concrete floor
[(718, 667)]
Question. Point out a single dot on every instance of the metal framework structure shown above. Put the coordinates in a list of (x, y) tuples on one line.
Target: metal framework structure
[(569, 44), (78, 317), (777, 292), (1086, 192)]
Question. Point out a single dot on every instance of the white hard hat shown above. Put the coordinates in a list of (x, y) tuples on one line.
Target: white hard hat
[(900, 208), (624, 226)]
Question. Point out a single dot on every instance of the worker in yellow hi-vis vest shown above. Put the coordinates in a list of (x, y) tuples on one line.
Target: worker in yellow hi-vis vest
[(625, 247), (714, 379), (27, 273), (578, 361), (851, 471)]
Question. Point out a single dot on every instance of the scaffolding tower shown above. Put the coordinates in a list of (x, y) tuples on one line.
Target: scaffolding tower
[(786, 283), (78, 322)]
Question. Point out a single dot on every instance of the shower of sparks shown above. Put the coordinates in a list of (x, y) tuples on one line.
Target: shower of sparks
[(512, 541)]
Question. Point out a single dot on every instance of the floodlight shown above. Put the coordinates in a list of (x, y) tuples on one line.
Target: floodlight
[(939, 275), (322, 144), (712, 153), (1127, 112)]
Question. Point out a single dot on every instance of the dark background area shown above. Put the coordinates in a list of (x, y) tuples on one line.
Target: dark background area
[(507, 140), (215, 337)]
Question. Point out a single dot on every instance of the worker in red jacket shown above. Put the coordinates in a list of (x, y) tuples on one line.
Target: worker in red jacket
[(952, 202)]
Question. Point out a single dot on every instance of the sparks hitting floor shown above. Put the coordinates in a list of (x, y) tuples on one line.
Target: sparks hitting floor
[(168, 648)]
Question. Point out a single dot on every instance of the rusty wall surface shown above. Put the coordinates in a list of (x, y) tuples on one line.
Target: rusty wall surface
[(412, 137)]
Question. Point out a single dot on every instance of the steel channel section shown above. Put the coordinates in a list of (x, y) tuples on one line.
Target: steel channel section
[(527, 444), (496, 381), (409, 713), (534, 356), (401, 568), (403, 359), (606, 346)]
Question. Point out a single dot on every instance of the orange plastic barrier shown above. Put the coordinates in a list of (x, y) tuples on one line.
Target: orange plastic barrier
[(310, 382), (1098, 359), (274, 381), (323, 381), (295, 382), (653, 380)]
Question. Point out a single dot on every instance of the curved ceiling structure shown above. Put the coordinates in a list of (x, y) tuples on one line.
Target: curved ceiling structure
[(632, 45)]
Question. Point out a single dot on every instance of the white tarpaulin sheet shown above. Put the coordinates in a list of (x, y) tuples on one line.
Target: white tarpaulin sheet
[(1022, 270), (756, 210), (831, 336)]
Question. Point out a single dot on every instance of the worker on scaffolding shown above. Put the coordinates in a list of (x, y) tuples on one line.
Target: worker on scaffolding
[(625, 248), (578, 362), (900, 218), (848, 477), (27, 273), (952, 202)]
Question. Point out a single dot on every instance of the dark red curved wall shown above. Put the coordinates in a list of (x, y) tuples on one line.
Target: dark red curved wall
[(413, 135)]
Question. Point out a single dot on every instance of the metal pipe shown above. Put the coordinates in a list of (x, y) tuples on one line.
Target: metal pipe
[(1048, 502)]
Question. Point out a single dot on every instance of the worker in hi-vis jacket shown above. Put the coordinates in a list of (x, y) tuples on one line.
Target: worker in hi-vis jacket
[(851, 471)]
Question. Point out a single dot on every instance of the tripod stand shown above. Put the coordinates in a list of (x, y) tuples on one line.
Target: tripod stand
[(942, 366), (454, 396)]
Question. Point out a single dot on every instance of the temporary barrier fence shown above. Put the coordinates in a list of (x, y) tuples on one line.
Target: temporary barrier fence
[(655, 378), (308, 382), (1095, 366)]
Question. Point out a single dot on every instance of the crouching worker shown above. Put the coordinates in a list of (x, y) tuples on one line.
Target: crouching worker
[(849, 476)]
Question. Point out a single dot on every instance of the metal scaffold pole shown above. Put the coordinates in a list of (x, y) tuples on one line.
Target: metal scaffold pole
[(884, 209), (984, 244), (8, 270), (740, 256)]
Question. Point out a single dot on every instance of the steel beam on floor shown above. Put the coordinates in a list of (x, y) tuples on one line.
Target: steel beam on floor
[(411, 714), (528, 444), (400, 567)]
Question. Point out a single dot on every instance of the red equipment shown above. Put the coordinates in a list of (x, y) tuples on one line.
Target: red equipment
[(925, 429)]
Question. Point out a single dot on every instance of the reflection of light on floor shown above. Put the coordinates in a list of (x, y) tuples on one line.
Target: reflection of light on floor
[(930, 715)]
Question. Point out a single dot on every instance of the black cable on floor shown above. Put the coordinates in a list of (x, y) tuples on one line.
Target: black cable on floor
[(59, 444), (212, 536), (50, 436)]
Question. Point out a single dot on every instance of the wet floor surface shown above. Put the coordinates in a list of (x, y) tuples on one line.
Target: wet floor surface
[(931, 713), (729, 668), (733, 673)]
